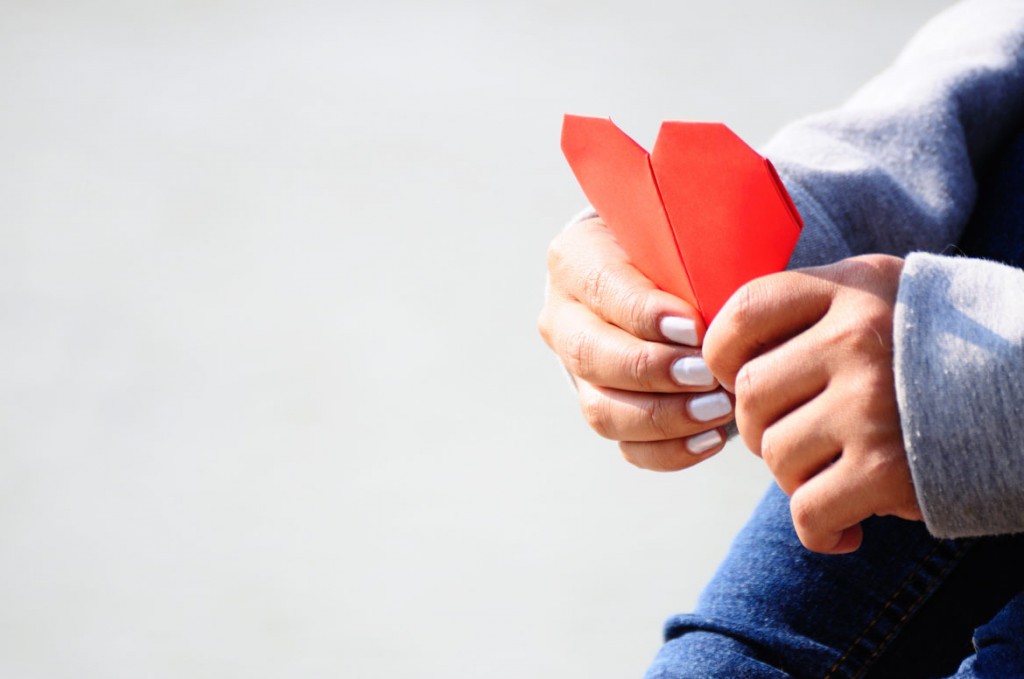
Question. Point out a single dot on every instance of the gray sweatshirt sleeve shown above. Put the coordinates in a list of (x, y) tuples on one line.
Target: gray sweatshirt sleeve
[(893, 171), (959, 337)]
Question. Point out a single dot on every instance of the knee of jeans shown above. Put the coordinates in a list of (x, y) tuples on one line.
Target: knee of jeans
[(700, 653), (1000, 643)]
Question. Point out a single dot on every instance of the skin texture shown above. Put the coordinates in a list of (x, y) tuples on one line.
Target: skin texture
[(808, 355), (602, 318)]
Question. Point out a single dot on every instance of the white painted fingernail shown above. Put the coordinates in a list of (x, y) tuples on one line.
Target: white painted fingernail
[(692, 371), (679, 330), (709, 406), (702, 443)]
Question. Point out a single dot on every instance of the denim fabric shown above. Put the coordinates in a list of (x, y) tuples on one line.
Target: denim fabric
[(904, 605), (1000, 649)]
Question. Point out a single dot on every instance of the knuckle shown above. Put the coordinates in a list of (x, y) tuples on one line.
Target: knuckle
[(864, 271), (748, 382), (556, 253), (750, 299), (804, 518), (578, 353), (659, 417), (886, 464), (751, 389), (862, 334), (807, 523), (846, 272), (636, 309), (864, 337), (597, 413), (776, 455), (641, 366), (596, 284), (769, 449)]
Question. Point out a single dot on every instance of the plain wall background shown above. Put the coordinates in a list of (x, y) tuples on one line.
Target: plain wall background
[(272, 401)]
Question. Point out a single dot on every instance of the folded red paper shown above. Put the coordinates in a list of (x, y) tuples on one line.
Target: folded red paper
[(700, 215)]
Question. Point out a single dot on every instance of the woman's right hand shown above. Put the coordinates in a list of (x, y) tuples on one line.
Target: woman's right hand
[(633, 351)]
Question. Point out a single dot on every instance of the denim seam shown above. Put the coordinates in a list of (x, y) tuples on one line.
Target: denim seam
[(928, 587)]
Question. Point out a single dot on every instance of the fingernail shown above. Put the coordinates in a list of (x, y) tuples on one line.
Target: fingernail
[(679, 330), (692, 371), (709, 406), (702, 443)]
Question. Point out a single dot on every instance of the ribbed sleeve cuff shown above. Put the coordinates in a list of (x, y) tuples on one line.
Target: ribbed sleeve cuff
[(959, 365)]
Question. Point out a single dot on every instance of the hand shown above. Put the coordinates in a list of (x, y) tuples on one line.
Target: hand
[(809, 356), (632, 351)]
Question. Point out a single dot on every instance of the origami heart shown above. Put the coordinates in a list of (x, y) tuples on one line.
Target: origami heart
[(700, 215)]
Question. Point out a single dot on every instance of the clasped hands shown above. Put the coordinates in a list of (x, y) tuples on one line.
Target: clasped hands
[(802, 360)]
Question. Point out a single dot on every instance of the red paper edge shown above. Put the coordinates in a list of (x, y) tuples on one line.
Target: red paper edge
[(672, 230), (654, 180), (784, 194)]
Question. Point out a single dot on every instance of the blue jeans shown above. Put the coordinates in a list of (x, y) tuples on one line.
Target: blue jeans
[(904, 605)]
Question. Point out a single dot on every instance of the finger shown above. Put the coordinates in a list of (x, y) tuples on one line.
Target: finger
[(762, 314), (632, 416), (881, 476), (801, 444), (782, 379), (605, 355), (674, 454), (586, 263), (827, 512), (828, 508)]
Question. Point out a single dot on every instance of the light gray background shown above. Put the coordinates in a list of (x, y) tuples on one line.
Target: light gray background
[(272, 401)]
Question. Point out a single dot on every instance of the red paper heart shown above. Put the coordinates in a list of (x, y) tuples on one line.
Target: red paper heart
[(700, 215)]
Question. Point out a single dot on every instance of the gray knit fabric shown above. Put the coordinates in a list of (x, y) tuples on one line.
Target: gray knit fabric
[(959, 333), (893, 171)]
